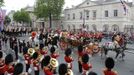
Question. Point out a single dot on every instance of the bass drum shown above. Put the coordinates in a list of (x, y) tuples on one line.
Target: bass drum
[(92, 49)]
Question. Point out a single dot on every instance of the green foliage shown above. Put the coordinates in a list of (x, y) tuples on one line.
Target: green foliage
[(22, 16), (1, 3), (44, 8), (7, 20)]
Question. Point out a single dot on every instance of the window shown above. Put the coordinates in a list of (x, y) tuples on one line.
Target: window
[(106, 13), (68, 16), (87, 3), (87, 15), (94, 14), (115, 13), (73, 15), (80, 15)]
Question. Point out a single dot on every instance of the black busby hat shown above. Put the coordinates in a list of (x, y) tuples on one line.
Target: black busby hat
[(45, 61), (68, 52), (35, 55), (52, 49), (85, 58), (1, 54), (8, 59), (92, 73), (18, 69), (62, 69), (109, 63), (80, 48)]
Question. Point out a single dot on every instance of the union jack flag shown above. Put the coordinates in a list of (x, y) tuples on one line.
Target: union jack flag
[(124, 7)]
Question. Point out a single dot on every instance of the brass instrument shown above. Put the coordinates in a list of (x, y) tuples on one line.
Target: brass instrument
[(31, 51), (69, 72), (54, 63)]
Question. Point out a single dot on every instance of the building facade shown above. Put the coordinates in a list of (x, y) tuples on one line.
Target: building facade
[(100, 15)]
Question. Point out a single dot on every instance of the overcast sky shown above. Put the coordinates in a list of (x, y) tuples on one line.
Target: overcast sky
[(18, 4)]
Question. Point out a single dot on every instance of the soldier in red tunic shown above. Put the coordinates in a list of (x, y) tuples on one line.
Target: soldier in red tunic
[(8, 66), (35, 62), (109, 63), (42, 51), (1, 63), (68, 59), (85, 65), (27, 58), (18, 69), (92, 73), (80, 54), (53, 53), (62, 69), (48, 70)]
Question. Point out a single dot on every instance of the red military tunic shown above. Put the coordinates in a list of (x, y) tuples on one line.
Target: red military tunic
[(54, 55), (27, 59), (6, 68), (47, 71), (1, 66), (43, 52), (86, 67), (69, 61), (36, 65), (107, 72)]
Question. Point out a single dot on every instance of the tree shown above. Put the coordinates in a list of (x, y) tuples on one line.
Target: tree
[(48, 9), (22, 17), (1, 3), (7, 20)]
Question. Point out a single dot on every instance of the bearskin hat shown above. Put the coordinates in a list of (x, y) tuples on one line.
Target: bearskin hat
[(45, 61), (35, 55), (85, 58), (18, 69), (1, 54), (92, 73), (62, 69), (8, 59), (52, 49), (80, 48), (109, 63), (68, 52)]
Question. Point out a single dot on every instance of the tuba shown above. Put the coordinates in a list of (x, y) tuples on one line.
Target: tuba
[(31, 51), (69, 72), (54, 63)]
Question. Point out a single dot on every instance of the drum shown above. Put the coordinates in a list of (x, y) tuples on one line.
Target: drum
[(63, 45)]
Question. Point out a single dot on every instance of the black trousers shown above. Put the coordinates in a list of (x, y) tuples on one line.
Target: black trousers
[(16, 54), (36, 72), (80, 67), (27, 67)]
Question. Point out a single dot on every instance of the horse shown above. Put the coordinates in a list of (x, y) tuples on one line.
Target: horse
[(116, 45)]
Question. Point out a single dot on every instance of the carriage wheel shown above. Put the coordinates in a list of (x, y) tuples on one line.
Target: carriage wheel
[(63, 45)]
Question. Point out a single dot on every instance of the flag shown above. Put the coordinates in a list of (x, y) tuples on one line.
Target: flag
[(124, 7), (2, 18)]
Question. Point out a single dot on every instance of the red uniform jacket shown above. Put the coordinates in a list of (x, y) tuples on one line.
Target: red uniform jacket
[(36, 65), (27, 59), (54, 55), (1, 66), (6, 68), (43, 52), (106, 72), (69, 60), (86, 66), (47, 71)]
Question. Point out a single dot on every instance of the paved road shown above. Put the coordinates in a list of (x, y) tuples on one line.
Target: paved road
[(123, 67)]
